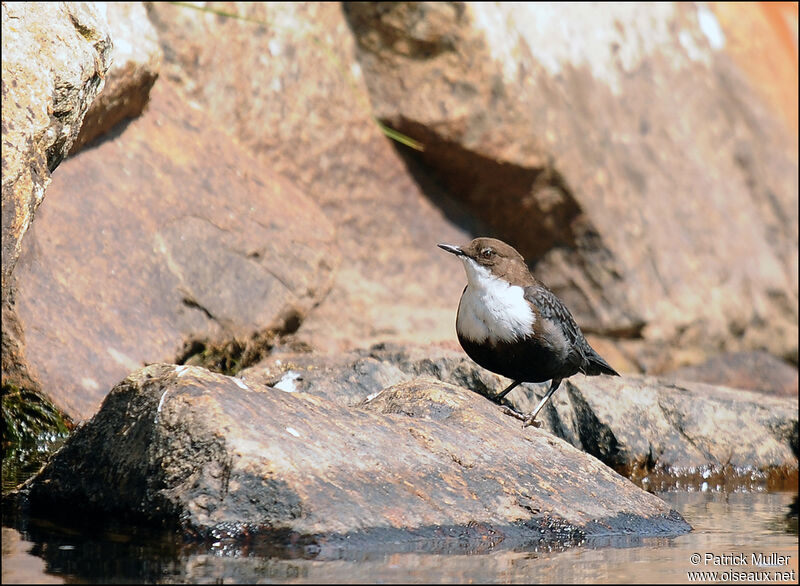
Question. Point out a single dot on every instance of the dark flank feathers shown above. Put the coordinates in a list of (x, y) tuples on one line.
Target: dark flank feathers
[(587, 360)]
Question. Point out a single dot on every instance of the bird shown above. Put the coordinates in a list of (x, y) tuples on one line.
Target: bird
[(511, 324)]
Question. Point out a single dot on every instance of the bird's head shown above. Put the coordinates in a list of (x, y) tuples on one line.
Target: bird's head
[(489, 257)]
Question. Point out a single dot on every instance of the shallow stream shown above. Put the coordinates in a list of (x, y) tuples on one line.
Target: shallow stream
[(750, 533)]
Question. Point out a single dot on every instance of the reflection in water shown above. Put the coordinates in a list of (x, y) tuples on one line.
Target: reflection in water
[(724, 524)]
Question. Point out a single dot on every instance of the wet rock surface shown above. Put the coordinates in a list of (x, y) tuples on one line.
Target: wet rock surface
[(179, 446), (638, 425)]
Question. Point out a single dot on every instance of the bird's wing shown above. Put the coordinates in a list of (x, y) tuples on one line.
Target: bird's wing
[(554, 310)]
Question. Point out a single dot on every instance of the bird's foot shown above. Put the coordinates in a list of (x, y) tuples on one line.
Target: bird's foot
[(530, 421), (526, 420)]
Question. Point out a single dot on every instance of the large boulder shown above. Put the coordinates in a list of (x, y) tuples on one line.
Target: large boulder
[(660, 432), (55, 57), (181, 447), (627, 151), (144, 245), (284, 78), (560, 139)]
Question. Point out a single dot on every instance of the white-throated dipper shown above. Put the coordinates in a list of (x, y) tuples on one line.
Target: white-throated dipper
[(511, 324)]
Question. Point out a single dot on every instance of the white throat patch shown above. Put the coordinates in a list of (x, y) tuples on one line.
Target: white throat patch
[(491, 309)]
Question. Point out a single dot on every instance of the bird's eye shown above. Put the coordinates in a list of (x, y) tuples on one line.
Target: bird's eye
[(487, 252)]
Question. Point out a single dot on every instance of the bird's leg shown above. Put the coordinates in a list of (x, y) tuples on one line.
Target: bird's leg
[(508, 409), (531, 419), (507, 390)]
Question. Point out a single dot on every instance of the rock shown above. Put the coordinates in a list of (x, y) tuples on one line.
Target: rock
[(143, 246), (347, 379), (641, 426), (136, 60), (179, 446), (55, 56), (624, 152), (291, 90), (352, 377), (774, 77), (644, 427), (755, 371)]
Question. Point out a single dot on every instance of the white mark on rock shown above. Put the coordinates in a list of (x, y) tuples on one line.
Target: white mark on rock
[(293, 431), (710, 27), (373, 395), (123, 359), (181, 370), (161, 404), (686, 40), (274, 47), (90, 384), (286, 383), (241, 384)]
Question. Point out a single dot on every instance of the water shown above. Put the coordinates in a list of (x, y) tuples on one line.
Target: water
[(736, 524)]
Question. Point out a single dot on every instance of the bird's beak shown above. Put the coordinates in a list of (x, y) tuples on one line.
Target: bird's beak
[(452, 249)]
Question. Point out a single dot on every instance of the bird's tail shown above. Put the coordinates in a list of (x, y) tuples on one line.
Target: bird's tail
[(596, 364)]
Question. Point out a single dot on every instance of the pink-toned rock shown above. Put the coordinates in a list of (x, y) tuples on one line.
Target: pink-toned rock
[(136, 60), (164, 233), (755, 371), (767, 58), (55, 56), (619, 148), (638, 169), (285, 80)]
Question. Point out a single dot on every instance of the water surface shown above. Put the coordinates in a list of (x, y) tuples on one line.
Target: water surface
[(736, 525)]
